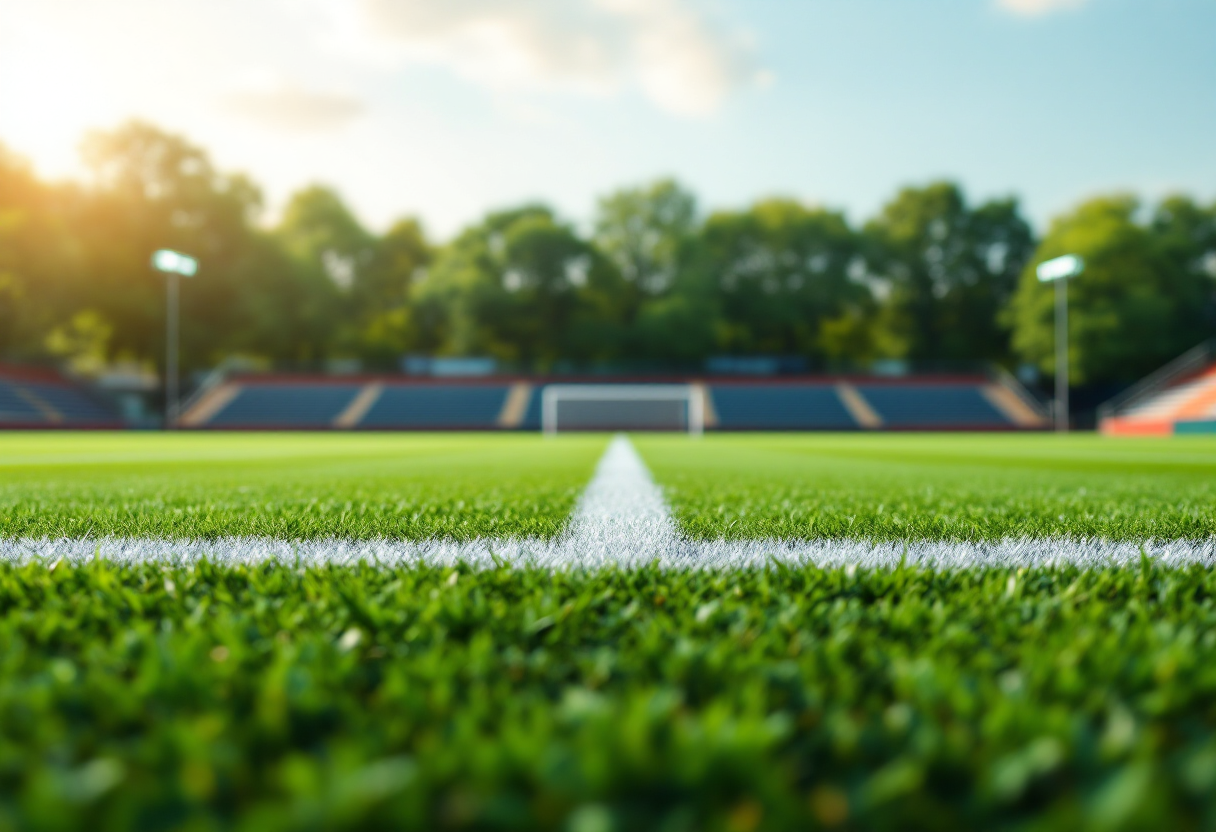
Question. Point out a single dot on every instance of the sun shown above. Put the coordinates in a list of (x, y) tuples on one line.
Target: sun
[(50, 95)]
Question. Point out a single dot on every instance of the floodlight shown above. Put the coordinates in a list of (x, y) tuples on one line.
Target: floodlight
[(1058, 271), (1070, 265), (174, 262)]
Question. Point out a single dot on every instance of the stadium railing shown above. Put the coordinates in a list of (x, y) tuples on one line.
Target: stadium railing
[(1190, 362)]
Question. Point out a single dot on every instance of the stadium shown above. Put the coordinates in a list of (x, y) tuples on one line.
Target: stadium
[(418, 501)]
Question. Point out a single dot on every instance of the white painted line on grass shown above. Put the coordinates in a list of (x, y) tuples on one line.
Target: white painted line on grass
[(562, 554), (620, 520), (622, 516)]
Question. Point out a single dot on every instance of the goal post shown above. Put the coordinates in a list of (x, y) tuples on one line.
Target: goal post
[(623, 407)]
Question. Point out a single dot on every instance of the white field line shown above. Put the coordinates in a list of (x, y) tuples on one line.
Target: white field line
[(620, 520)]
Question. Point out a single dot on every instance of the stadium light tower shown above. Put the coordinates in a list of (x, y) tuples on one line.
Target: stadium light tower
[(1058, 271), (173, 265)]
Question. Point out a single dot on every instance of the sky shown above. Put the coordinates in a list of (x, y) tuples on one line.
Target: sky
[(446, 109)]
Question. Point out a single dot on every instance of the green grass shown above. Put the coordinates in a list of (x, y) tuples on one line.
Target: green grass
[(209, 697), (294, 486), (268, 698), (937, 487)]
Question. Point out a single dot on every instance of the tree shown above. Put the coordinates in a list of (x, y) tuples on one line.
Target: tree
[(521, 286), (643, 230), (1144, 297), (931, 277), (37, 257), (331, 253), (318, 229), (1186, 234), (949, 269), (383, 292), (154, 190), (780, 271)]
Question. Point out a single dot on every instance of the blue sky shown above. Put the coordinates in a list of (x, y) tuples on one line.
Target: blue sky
[(448, 109)]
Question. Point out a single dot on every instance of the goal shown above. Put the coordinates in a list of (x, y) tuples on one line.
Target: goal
[(623, 407)]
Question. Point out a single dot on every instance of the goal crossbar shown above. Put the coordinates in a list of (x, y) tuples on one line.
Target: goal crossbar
[(553, 394)]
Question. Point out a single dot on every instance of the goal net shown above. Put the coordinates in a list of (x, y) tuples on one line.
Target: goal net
[(623, 407)]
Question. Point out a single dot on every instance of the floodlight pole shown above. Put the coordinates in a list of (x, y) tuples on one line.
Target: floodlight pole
[(1058, 271), (174, 266), (172, 327), (1062, 355)]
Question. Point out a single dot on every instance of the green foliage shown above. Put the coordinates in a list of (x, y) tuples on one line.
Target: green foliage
[(644, 232), (1148, 292), (932, 277), (382, 293), (155, 190), (83, 342), (64, 251), (37, 255), (316, 223), (354, 279), (276, 698), (930, 487), (293, 486), (521, 287), (949, 270), (780, 272)]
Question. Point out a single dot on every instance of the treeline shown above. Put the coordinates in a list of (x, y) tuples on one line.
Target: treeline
[(932, 277)]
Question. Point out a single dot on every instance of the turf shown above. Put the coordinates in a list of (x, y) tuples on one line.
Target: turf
[(937, 487), (290, 486), (270, 698)]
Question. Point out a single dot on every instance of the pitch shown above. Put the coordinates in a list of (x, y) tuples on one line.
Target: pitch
[(162, 694), (779, 486)]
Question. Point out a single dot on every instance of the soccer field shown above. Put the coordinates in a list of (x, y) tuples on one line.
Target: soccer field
[(885, 487), (290, 486), (938, 486), (165, 666)]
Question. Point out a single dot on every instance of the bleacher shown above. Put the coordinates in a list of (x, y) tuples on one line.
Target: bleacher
[(730, 404), (44, 399), (752, 406), (437, 406), (1178, 399), (930, 406), (285, 405)]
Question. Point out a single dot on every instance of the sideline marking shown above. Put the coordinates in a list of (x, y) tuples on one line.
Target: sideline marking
[(568, 554), (621, 520)]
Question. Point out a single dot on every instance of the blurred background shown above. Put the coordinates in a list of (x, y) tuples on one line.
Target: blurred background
[(605, 188)]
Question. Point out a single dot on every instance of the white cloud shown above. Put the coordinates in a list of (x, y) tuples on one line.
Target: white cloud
[(665, 48), (1037, 8), (288, 106)]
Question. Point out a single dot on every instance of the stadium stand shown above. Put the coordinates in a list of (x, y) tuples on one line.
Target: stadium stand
[(275, 404), (752, 406), (32, 398), (957, 406), (437, 406), (531, 416), (1180, 398), (402, 403)]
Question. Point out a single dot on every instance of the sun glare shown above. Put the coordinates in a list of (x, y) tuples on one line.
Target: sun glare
[(49, 97)]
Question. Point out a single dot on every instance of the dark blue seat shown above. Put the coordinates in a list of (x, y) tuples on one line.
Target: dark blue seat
[(419, 406), (15, 409), (932, 405), (531, 420), (286, 405), (75, 405), (780, 407)]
